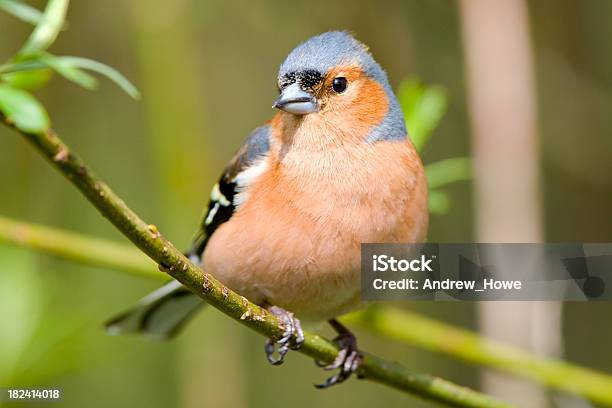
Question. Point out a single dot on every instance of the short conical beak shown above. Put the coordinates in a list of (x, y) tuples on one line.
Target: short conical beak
[(297, 101)]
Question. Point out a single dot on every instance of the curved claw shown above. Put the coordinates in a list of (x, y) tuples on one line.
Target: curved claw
[(293, 330), (349, 366), (347, 360), (338, 361), (270, 349)]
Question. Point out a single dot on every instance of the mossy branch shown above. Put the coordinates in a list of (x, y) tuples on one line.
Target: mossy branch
[(399, 325), (149, 240)]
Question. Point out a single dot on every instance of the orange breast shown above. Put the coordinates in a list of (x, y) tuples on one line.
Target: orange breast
[(294, 242)]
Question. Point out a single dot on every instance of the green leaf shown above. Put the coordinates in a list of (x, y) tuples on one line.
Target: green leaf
[(439, 202), (47, 29), (23, 110), (424, 107), (105, 70), (22, 11), (29, 80), (69, 71), (72, 68), (448, 171)]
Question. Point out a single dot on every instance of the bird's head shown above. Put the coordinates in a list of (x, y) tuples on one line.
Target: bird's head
[(333, 75)]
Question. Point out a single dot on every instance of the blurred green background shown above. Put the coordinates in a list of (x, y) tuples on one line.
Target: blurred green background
[(206, 71)]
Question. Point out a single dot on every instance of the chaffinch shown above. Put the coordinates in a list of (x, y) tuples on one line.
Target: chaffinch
[(334, 168)]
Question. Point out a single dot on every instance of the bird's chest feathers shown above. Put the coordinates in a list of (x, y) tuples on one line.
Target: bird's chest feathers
[(331, 185), (322, 193), (297, 232)]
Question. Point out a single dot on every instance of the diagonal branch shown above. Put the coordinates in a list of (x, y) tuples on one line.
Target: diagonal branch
[(399, 325), (151, 242)]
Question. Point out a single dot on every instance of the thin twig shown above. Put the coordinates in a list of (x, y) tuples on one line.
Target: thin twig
[(148, 238)]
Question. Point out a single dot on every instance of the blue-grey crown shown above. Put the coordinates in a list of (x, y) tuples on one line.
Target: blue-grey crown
[(329, 50), (335, 48)]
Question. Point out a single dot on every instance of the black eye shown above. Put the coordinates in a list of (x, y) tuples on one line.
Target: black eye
[(339, 84)]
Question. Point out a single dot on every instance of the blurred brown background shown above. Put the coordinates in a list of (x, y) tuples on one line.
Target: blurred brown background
[(206, 71)]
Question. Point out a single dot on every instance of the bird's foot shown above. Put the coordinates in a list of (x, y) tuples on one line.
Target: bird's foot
[(348, 360), (293, 331)]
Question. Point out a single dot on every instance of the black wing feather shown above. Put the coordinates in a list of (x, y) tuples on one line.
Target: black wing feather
[(162, 314), (221, 205)]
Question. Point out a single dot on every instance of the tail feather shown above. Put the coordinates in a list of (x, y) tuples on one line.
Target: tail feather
[(159, 315)]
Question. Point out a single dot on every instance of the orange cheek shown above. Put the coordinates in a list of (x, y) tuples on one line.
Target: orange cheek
[(370, 105), (365, 99), (361, 108), (347, 116)]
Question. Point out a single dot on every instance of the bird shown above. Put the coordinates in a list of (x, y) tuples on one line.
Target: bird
[(333, 168)]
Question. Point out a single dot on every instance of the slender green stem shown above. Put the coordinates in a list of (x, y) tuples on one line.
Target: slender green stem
[(414, 329), (21, 66), (149, 240), (78, 247)]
